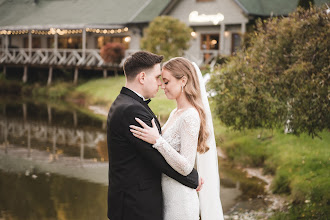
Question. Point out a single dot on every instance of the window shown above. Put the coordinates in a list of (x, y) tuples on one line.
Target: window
[(36, 42), (102, 40), (210, 41), (67, 42), (235, 42)]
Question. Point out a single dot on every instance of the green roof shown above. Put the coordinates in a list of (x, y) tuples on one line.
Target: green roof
[(271, 7), (78, 12)]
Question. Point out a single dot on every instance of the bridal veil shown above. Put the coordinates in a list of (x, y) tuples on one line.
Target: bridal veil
[(207, 166)]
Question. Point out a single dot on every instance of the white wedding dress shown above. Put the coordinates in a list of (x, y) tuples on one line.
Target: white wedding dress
[(178, 145)]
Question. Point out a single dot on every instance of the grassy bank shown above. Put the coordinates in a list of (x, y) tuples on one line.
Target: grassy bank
[(104, 91), (300, 166)]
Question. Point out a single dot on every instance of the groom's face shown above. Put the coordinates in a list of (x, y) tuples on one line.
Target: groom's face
[(152, 81)]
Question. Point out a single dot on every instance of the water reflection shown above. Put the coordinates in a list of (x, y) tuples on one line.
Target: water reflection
[(53, 165), (50, 196), (59, 132)]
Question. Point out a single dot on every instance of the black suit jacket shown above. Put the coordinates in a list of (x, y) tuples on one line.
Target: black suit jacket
[(135, 167)]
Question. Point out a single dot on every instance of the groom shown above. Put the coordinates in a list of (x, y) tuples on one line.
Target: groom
[(134, 166)]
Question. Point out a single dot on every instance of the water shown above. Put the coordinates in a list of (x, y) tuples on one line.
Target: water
[(53, 165)]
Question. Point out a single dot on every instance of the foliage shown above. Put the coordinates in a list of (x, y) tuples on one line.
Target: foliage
[(299, 165), (283, 75), (7, 86), (166, 36), (306, 4), (112, 52), (56, 91), (222, 59)]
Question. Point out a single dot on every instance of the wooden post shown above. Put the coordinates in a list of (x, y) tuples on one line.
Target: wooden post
[(29, 141), (82, 145), (6, 43), (105, 73), (4, 112), (25, 76), (75, 79), (3, 38), (24, 112), (222, 38), (55, 41), (49, 111), (84, 44), (54, 144), (4, 71), (50, 75), (5, 134), (75, 119), (30, 44)]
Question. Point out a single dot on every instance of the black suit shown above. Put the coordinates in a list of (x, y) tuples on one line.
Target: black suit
[(135, 167)]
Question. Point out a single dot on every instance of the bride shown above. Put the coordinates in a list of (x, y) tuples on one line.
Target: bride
[(187, 136)]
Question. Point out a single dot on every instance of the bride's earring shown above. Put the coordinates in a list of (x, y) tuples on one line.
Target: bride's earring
[(181, 88)]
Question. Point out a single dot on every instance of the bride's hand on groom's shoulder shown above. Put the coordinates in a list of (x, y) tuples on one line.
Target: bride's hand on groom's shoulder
[(146, 133)]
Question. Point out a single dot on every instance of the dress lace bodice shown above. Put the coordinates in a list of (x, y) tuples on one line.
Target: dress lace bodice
[(178, 145)]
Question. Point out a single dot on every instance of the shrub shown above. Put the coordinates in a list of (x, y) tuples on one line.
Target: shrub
[(282, 79), (112, 52)]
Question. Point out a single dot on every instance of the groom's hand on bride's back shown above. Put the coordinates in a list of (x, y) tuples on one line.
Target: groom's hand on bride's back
[(200, 185)]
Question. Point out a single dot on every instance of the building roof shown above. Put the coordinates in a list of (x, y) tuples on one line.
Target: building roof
[(65, 14), (271, 7), (24, 14)]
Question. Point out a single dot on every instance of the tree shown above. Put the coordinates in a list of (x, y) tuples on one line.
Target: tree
[(306, 4), (166, 36), (282, 78)]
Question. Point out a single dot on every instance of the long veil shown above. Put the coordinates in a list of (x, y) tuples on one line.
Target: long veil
[(207, 166)]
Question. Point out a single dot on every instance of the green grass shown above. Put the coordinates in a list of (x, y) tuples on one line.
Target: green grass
[(104, 91), (300, 166)]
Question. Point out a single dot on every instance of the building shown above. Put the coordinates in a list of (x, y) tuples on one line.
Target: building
[(70, 33)]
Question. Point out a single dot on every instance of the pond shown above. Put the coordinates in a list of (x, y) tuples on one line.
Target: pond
[(53, 165)]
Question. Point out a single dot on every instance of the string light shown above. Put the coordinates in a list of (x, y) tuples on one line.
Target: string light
[(18, 32), (106, 31), (53, 31)]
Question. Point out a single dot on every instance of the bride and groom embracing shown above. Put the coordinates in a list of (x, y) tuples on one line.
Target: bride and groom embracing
[(151, 168)]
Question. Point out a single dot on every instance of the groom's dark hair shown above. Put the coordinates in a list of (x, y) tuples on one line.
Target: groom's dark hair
[(138, 62)]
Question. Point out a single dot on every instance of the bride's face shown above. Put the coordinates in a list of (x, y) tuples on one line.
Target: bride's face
[(171, 85)]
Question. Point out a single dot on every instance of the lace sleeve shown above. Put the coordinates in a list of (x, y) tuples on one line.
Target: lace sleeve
[(184, 161)]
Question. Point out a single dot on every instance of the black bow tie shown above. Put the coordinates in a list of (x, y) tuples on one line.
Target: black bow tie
[(147, 101)]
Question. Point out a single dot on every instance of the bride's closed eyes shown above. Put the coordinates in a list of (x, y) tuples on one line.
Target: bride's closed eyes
[(165, 81)]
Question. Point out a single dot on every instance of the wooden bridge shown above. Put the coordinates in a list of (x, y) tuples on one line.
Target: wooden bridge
[(52, 58)]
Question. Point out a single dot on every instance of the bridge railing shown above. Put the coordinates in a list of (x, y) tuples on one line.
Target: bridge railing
[(45, 56)]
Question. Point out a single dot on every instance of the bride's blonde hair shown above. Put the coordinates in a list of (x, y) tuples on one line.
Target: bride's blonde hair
[(180, 67)]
